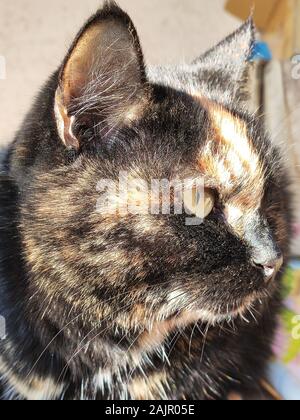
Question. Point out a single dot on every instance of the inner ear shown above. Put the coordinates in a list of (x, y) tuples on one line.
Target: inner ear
[(103, 78)]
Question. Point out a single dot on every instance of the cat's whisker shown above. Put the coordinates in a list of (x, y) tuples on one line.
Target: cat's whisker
[(66, 326), (243, 318), (250, 310), (204, 343), (81, 347), (174, 341), (191, 339)]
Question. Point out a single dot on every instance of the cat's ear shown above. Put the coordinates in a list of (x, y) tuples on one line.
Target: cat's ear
[(226, 67), (102, 82)]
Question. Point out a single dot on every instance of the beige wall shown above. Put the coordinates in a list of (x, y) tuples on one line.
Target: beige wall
[(35, 34)]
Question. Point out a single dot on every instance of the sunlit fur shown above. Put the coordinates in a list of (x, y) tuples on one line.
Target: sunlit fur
[(139, 306)]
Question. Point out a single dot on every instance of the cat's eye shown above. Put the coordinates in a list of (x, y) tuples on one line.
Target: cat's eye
[(199, 201)]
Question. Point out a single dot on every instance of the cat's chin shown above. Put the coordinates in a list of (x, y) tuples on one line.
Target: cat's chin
[(214, 318), (219, 312), (241, 310)]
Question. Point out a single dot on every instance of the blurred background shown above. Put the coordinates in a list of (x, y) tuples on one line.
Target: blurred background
[(35, 36)]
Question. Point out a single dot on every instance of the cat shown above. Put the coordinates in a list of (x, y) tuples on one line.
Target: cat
[(118, 305)]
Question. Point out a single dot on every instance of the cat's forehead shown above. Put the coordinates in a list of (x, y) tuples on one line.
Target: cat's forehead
[(229, 160), (224, 143)]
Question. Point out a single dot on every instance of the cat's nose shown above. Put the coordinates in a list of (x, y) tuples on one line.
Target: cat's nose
[(269, 267)]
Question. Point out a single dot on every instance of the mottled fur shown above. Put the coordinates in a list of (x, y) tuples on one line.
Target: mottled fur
[(139, 306)]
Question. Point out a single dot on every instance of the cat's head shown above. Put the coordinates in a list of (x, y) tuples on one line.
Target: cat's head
[(134, 266)]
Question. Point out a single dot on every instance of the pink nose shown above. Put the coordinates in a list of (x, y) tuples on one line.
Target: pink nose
[(269, 268)]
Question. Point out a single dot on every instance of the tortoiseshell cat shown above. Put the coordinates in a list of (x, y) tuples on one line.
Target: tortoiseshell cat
[(140, 306)]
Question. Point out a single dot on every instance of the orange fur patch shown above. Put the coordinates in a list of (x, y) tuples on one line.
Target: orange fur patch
[(230, 163)]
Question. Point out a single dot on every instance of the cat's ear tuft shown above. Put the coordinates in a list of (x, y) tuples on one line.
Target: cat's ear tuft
[(102, 82), (227, 65)]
